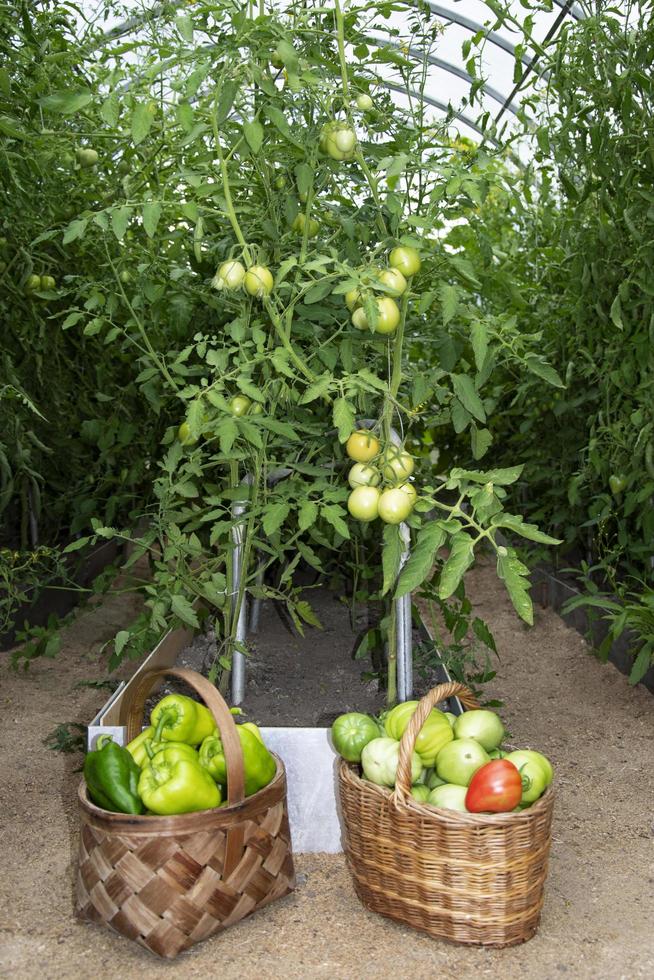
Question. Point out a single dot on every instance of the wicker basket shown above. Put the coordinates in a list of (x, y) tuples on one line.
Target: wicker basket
[(468, 878), (169, 882)]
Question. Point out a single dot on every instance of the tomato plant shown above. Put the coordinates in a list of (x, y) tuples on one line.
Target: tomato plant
[(232, 335)]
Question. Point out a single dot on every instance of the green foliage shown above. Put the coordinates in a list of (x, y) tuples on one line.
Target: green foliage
[(208, 153)]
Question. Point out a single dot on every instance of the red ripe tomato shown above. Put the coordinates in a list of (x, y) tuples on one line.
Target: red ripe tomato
[(495, 788)]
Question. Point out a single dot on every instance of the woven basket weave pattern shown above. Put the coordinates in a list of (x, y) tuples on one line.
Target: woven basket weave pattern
[(469, 878), (169, 882)]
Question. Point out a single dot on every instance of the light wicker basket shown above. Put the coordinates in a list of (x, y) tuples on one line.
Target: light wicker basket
[(169, 882), (468, 878)]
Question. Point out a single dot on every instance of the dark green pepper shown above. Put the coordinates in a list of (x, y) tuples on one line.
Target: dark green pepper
[(112, 777)]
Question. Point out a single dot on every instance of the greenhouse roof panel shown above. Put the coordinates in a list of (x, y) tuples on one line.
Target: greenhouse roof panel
[(503, 58)]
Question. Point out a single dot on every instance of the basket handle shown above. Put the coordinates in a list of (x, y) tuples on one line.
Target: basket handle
[(133, 705), (412, 730)]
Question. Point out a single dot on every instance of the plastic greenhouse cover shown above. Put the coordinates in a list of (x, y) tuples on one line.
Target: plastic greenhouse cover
[(505, 55)]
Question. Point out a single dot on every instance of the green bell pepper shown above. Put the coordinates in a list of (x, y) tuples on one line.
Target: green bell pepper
[(171, 752), (182, 786), (177, 718), (260, 767), (143, 748), (112, 777)]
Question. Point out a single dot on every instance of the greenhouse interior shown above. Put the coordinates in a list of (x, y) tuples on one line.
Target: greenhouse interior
[(327, 488)]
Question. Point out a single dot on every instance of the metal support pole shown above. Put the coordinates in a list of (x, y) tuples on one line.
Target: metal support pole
[(238, 657), (255, 606), (403, 625)]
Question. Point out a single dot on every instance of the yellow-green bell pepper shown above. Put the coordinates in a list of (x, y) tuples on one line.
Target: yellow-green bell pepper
[(136, 747), (180, 719), (143, 748), (251, 727), (260, 766), (178, 787)]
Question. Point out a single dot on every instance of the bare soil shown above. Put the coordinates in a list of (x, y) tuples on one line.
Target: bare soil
[(599, 732)]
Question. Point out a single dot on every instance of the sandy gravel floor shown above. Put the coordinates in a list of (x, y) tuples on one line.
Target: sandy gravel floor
[(598, 917)]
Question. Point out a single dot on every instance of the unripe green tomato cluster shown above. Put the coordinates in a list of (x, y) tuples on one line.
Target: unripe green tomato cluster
[(301, 223), (404, 263), (46, 284), (338, 141), (367, 501), (231, 275), (86, 157)]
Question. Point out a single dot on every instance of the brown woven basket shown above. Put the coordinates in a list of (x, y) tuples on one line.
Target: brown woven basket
[(169, 882), (468, 878)]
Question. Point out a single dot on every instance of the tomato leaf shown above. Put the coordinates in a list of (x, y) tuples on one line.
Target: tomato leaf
[(151, 215), (479, 340), (253, 134), (75, 230), (543, 370), (343, 415), (459, 561), (307, 514), (514, 575), (529, 531), (480, 440), (317, 389), (274, 517), (334, 515), (421, 560), (304, 610), (391, 555), (120, 219), (449, 296), (465, 391), (184, 611), (67, 102), (142, 120)]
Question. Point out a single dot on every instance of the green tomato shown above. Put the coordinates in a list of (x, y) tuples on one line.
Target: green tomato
[(359, 319), (617, 483), (533, 773), (351, 733), (388, 316), (256, 408), (352, 300), (86, 157), (363, 503), (184, 435), (362, 446), (32, 283), (410, 491), (125, 276), (394, 507), (433, 779), (258, 281), (435, 733), (420, 792), (300, 224), (406, 259), (482, 725), (338, 141), (362, 475), (48, 283), (449, 796), (239, 405), (364, 102), (379, 760), (398, 465), (460, 760), (230, 275), (542, 760), (395, 281)]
